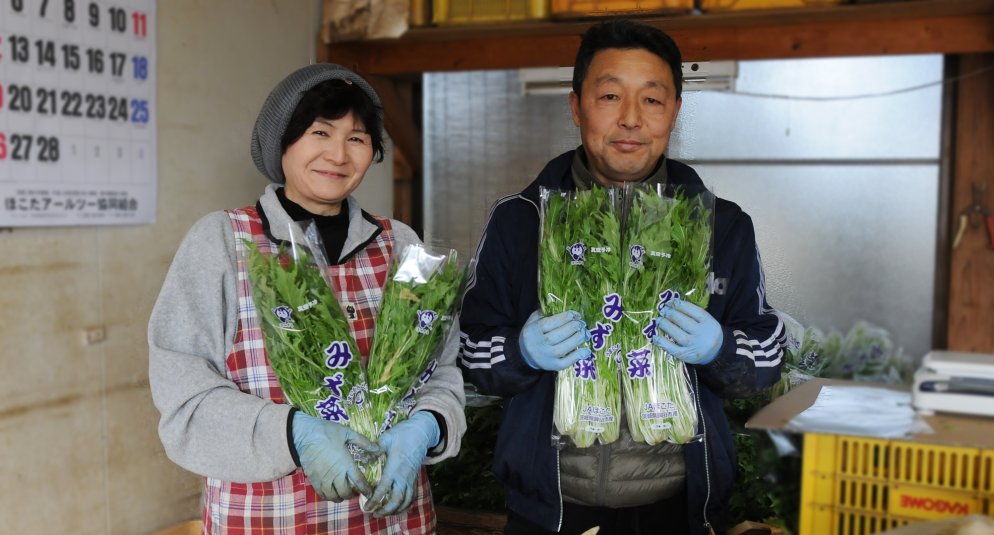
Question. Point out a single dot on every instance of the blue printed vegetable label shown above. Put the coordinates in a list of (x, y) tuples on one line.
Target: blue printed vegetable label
[(339, 355), (357, 396), (331, 409), (388, 421), (639, 365), (577, 252), (666, 297), (585, 369), (334, 383), (429, 371), (599, 334), (426, 319), (612, 309), (650, 330), (614, 352), (637, 253), (283, 313)]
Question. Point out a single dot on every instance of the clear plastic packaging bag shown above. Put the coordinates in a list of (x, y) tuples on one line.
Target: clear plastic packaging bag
[(307, 338), (420, 300), (579, 267), (668, 235)]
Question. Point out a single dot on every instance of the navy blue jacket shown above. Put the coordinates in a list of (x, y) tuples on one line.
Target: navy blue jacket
[(503, 292)]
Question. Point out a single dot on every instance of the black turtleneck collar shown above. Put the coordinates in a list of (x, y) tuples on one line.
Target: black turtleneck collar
[(334, 229)]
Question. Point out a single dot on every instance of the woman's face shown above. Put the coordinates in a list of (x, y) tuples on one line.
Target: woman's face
[(327, 163)]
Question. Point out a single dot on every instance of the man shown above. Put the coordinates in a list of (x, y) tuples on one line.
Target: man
[(625, 100)]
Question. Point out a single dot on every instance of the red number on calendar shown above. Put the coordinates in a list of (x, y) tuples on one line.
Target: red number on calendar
[(3, 146), (140, 21)]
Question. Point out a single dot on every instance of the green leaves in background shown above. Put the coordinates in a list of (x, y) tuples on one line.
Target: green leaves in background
[(468, 480)]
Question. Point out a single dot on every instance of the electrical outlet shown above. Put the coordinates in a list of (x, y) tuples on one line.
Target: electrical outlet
[(94, 335)]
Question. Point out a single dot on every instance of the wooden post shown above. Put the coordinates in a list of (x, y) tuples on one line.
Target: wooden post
[(971, 270)]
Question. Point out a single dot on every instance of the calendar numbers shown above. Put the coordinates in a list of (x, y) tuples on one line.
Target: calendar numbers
[(47, 105), (25, 147), (72, 102), (118, 19), (77, 112), (94, 11), (140, 64), (20, 48), (140, 21), (70, 57)]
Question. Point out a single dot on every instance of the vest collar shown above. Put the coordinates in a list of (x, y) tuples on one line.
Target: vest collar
[(363, 228)]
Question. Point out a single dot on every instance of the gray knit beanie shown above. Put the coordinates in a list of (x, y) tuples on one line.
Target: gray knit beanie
[(279, 107)]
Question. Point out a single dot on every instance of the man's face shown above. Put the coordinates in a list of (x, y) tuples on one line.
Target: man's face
[(626, 113)]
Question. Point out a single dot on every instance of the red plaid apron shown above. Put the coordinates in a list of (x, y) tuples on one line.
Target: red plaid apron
[(290, 505)]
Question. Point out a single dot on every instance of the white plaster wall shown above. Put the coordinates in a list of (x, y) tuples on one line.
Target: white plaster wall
[(80, 452)]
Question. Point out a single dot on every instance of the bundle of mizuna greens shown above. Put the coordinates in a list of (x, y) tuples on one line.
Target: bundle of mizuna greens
[(579, 270), (306, 335), (668, 244), (314, 354), (419, 302), (616, 256)]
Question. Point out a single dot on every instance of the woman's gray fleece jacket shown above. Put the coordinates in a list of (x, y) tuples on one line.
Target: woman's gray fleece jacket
[(208, 425)]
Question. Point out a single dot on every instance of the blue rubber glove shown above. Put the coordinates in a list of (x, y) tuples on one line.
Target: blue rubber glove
[(553, 343), (406, 445), (323, 448), (695, 336)]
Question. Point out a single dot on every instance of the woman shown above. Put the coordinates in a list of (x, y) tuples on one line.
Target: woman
[(269, 468)]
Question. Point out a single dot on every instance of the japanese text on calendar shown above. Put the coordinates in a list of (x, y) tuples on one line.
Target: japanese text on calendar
[(77, 112)]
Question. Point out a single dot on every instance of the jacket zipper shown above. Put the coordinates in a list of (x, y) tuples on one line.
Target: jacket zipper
[(707, 467), (603, 468), (559, 487)]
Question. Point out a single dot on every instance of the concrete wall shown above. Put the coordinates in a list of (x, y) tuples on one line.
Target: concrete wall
[(79, 451)]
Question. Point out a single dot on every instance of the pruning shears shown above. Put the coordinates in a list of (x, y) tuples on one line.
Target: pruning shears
[(974, 213)]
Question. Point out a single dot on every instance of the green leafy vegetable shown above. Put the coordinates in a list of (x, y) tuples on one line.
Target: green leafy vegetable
[(668, 245), (579, 269), (419, 301), (307, 338)]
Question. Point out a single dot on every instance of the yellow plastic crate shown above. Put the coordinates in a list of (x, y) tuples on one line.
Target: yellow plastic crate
[(859, 486), (600, 8), (734, 5), (487, 11)]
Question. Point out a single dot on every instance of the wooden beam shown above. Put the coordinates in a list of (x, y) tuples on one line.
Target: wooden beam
[(398, 118), (923, 26), (971, 288)]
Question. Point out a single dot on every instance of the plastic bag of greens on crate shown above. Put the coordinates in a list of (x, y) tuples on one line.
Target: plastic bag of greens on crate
[(578, 270), (306, 335), (668, 255), (420, 300), (803, 360)]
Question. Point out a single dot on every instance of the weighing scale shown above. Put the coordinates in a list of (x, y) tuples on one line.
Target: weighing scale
[(952, 381)]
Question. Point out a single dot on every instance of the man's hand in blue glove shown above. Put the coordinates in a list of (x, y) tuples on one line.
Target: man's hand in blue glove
[(323, 448), (406, 445), (695, 337), (553, 343)]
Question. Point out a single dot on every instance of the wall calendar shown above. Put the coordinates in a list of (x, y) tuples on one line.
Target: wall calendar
[(77, 112)]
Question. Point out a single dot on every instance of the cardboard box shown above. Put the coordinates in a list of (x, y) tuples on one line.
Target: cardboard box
[(862, 485), (950, 429)]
